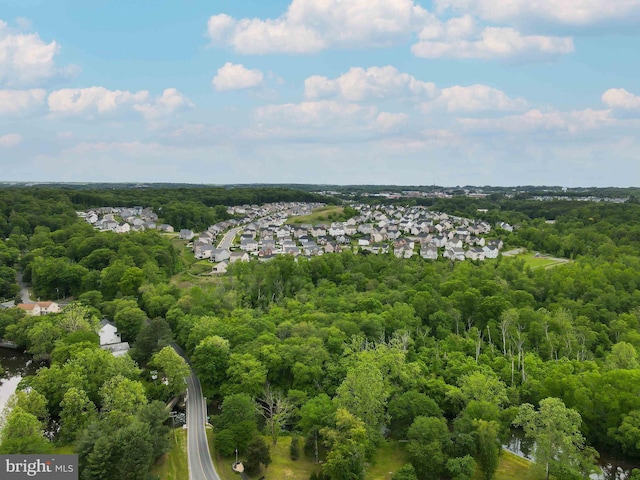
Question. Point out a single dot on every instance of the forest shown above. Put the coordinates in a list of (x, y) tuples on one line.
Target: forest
[(344, 352)]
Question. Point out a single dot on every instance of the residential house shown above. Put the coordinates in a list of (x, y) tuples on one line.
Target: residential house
[(220, 267), (110, 339), (219, 255), (429, 253), (454, 253), (39, 308), (475, 253), (490, 251), (186, 234), (239, 257), (164, 227), (248, 245)]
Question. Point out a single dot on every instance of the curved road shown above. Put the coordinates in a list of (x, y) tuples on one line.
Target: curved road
[(227, 239), (199, 459)]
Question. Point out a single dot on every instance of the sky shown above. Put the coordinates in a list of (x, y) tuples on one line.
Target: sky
[(406, 92)]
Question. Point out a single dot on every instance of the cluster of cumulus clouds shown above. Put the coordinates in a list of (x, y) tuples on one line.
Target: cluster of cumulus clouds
[(512, 31), (28, 69)]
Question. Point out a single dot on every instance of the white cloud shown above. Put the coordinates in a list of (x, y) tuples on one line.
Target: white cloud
[(465, 41), (237, 77), (564, 12), (25, 59), (10, 140), (312, 25), (20, 102), (314, 114), (536, 120), (621, 98), (170, 102), (359, 84), (93, 101), (474, 98), (387, 122)]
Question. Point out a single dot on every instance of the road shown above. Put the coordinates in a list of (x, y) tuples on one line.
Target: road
[(199, 459), (227, 240), (24, 291)]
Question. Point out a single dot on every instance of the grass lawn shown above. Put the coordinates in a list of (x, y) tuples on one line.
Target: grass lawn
[(533, 262), (281, 468), (173, 465), (511, 467), (64, 450), (319, 215), (389, 457)]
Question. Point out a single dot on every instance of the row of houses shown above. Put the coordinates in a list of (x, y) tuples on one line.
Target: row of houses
[(406, 231), (123, 219)]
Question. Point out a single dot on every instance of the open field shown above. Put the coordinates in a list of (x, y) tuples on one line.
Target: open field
[(389, 457), (533, 262), (173, 465), (320, 215)]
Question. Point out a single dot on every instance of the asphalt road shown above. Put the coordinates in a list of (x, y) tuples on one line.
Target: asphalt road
[(227, 240), (24, 290), (199, 459)]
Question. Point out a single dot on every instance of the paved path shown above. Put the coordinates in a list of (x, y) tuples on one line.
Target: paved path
[(227, 240), (199, 459)]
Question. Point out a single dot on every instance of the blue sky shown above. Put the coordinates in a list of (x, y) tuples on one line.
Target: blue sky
[(449, 92)]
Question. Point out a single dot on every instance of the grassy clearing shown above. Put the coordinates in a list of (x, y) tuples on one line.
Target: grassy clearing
[(511, 467), (173, 465), (533, 262), (320, 215), (389, 457)]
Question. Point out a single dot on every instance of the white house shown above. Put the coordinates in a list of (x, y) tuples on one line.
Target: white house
[(110, 339)]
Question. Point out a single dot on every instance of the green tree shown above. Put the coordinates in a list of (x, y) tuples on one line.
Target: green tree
[(172, 372), (22, 433), (348, 443), (461, 468), (428, 444), (555, 429), (317, 413), (406, 472), (245, 374), (404, 408), (483, 388), (363, 393), (122, 395), (129, 322), (77, 412), (628, 433), (211, 361), (257, 453), (153, 336), (623, 356), (488, 447)]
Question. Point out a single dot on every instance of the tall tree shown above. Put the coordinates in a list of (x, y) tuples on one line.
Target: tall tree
[(275, 408), (555, 429), (428, 446), (364, 394)]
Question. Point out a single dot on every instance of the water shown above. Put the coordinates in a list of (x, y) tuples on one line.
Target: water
[(16, 365), (613, 467)]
